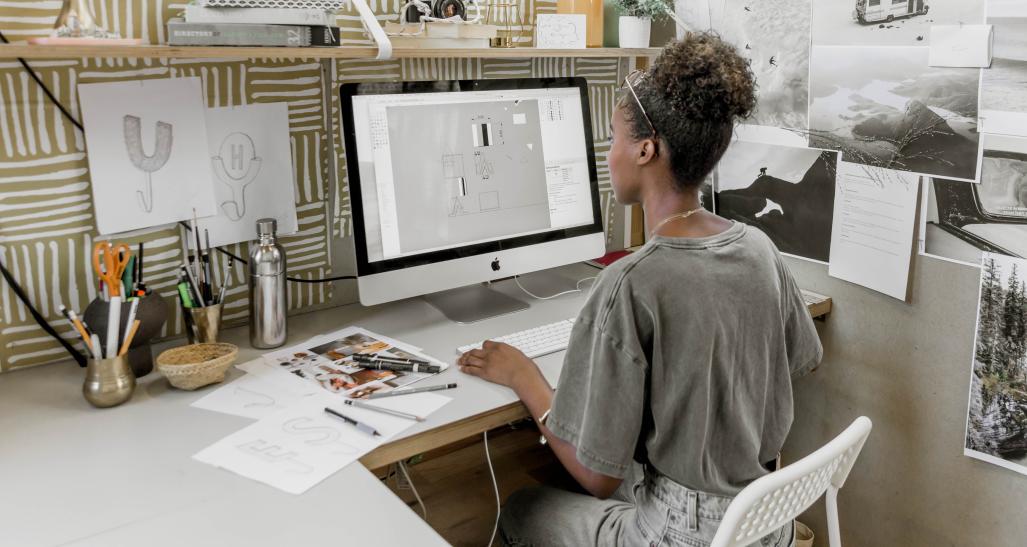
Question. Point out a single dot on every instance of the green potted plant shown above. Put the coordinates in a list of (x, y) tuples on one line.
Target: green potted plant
[(636, 20)]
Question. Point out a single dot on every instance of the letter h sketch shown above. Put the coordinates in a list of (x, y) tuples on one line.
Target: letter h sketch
[(236, 166)]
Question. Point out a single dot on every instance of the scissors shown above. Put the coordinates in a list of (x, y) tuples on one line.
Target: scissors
[(114, 259)]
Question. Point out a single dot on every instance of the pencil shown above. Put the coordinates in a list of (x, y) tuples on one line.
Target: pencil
[(128, 337), (75, 324)]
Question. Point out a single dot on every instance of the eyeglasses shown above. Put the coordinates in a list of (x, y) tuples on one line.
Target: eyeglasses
[(630, 81)]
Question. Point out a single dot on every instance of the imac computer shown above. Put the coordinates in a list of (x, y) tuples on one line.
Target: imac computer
[(455, 183)]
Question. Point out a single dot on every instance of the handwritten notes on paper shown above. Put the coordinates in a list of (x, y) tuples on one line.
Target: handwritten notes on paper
[(874, 225)]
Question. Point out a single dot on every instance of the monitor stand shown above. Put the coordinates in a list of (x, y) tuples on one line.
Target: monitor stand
[(474, 303)]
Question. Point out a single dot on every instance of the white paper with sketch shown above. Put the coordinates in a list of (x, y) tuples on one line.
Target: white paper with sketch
[(147, 151), (961, 46), (297, 448), (255, 395), (559, 31), (874, 225), (251, 165)]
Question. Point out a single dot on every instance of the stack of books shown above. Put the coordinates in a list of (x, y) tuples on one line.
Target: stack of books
[(271, 23), (440, 35)]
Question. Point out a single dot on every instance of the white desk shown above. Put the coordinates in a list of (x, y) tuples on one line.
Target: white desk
[(71, 474)]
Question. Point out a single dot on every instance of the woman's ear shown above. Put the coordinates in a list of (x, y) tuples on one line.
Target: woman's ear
[(646, 151)]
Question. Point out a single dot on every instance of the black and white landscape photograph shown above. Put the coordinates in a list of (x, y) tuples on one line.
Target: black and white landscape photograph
[(785, 191), (774, 37), (1004, 85), (962, 221), (996, 425), (884, 107), (888, 22)]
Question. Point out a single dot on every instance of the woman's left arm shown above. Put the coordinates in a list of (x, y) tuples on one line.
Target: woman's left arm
[(505, 365)]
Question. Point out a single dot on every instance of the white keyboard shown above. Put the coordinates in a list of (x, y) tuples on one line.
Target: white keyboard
[(534, 342)]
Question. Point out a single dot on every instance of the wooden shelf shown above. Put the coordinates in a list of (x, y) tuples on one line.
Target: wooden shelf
[(26, 51)]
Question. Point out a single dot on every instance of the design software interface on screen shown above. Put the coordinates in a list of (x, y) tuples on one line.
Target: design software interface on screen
[(443, 170)]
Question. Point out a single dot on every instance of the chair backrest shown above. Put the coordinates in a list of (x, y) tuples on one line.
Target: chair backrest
[(772, 501)]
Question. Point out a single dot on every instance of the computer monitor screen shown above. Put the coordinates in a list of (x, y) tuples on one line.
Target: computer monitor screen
[(440, 171)]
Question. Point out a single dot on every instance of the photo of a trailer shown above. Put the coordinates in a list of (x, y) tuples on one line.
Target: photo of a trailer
[(875, 11)]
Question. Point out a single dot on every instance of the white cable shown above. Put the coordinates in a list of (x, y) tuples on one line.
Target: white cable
[(576, 289), (424, 508), (495, 487)]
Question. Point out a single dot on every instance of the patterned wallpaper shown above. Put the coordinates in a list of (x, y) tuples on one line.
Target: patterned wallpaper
[(46, 216)]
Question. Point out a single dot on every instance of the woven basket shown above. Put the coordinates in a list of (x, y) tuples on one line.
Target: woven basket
[(196, 365)]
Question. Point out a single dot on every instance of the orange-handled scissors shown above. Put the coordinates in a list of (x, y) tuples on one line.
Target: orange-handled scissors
[(113, 259)]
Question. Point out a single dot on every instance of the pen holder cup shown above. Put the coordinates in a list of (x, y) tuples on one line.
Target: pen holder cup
[(206, 324), (151, 313), (109, 382)]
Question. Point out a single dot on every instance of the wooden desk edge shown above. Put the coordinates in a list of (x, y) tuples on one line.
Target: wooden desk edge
[(408, 447), (452, 432)]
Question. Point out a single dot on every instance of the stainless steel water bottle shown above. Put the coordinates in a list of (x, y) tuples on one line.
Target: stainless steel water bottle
[(268, 299)]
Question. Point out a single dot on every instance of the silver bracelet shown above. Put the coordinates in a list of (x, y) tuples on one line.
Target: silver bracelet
[(542, 421)]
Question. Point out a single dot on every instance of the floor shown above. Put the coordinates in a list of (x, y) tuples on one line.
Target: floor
[(455, 485)]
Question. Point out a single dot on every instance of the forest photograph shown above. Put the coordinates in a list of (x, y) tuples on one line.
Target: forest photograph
[(997, 416)]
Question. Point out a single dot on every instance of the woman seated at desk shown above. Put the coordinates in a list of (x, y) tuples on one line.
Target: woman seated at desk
[(676, 388)]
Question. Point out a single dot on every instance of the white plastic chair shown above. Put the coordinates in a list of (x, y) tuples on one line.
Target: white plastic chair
[(774, 500)]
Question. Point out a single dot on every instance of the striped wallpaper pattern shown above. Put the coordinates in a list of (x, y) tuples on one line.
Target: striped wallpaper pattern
[(47, 227)]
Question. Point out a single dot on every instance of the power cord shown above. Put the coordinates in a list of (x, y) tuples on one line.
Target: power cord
[(293, 279), (78, 124), (576, 289), (410, 483), (495, 487), (20, 294)]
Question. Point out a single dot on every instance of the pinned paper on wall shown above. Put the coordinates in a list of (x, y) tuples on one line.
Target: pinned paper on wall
[(787, 192), (996, 422), (1003, 101), (147, 148), (251, 164), (968, 46), (874, 226), (559, 31)]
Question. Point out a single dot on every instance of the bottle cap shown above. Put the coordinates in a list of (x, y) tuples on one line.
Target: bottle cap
[(267, 227)]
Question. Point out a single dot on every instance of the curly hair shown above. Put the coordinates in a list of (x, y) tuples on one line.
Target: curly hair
[(694, 92)]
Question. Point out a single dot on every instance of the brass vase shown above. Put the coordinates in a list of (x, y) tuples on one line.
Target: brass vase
[(206, 324), (109, 382)]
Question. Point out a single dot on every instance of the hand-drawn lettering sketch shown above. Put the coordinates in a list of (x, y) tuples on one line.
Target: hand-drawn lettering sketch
[(147, 151), (250, 159), (275, 454), (318, 435), (148, 164), (258, 399), (236, 166)]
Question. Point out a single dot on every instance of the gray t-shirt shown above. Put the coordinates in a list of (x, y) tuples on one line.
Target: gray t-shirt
[(682, 358)]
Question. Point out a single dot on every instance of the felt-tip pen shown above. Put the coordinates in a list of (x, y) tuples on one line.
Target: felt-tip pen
[(399, 367), (387, 358), (355, 423)]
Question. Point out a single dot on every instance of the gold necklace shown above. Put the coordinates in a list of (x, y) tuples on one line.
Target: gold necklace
[(683, 215)]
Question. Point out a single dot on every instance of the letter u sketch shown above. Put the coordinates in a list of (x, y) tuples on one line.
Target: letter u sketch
[(148, 164)]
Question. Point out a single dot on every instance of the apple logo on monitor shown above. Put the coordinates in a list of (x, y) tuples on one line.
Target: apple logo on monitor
[(495, 265)]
